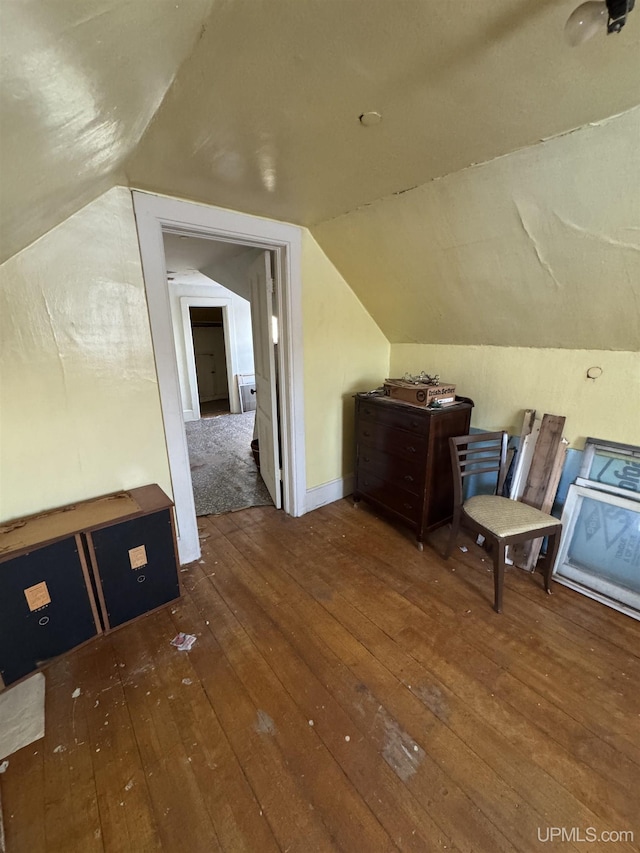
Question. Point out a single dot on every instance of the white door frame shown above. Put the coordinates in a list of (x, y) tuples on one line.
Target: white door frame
[(155, 214), (229, 330)]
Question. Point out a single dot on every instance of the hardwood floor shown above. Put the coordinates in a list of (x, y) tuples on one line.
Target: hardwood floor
[(346, 692)]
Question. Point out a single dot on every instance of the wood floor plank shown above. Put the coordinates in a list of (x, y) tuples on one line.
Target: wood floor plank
[(558, 640), (126, 818), (468, 730), (68, 769), (294, 822), (235, 811), (550, 797), (399, 812), (385, 727), (170, 778), (608, 795), (230, 801), (611, 685), (341, 809), (508, 648), (444, 634), (390, 742), (23, 804)]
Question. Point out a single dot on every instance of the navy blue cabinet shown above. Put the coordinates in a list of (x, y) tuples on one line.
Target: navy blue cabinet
[(47, 607), (68, 574), (134, 566)]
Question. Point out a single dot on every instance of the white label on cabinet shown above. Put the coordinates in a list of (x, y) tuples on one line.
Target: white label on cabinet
[(138, 557), (37, 596)]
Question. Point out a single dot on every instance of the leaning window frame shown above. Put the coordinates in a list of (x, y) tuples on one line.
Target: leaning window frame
[(592, 447), (575, 576)]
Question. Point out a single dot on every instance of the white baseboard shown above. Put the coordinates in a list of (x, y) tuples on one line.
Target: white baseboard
[(327, 493)]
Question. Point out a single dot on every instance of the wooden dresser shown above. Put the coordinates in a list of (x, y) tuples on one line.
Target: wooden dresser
[(403, 466)]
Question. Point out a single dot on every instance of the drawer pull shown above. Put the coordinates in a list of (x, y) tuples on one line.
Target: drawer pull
[(366, 432), (365, 482), (408, 478), (367, 411), (415, 423), (366, 459), (411, 449), (408, 505)]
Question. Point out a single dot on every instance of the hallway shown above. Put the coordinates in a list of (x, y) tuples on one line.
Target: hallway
[(224, 475)]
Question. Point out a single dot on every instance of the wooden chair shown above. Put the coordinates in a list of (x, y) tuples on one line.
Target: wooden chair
[(500, 520)]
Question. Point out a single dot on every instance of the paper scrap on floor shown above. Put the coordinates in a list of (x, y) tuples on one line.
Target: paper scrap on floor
[(183, 642), (21, 714)]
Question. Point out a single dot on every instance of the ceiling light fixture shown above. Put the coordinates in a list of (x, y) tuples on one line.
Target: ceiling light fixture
[(594, 16)]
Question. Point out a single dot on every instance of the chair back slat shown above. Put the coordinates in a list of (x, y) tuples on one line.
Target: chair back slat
[(470, 473), (481, 453)]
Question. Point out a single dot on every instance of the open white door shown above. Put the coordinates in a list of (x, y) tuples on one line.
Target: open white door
[(264, 359)]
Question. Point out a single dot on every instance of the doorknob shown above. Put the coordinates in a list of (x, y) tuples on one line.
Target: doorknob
[(253, 390)]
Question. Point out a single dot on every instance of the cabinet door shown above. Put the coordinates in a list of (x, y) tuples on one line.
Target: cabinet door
[(135, 567), (46, 607)]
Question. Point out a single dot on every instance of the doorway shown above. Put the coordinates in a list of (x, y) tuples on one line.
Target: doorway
[(210, 295), (156, 215), (207, 333)]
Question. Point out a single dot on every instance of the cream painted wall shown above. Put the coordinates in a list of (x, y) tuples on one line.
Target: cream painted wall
[(79, 406), (344, 352), (503, 381), (540, 248)]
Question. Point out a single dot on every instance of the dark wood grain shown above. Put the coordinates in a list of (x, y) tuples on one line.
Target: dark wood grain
[(345, 692), (403, 467)]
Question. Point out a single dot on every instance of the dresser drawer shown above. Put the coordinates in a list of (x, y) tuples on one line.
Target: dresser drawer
[(397, 442), (401, 502), (402, 460), (392, 469), (407, 417)]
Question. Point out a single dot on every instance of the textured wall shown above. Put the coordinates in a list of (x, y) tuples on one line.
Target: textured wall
[(79, 406), (344, 352), (504, 381), (540, 248)]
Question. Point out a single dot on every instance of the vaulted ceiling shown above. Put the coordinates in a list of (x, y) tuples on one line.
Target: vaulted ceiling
[(254, 104)]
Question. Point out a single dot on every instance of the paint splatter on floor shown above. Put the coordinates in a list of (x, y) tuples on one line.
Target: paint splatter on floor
[(264, 724), (399, 750)]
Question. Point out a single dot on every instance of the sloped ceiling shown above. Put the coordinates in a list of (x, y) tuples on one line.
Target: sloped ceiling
[(193, 254), (539, 248), (254, 105), (264, 116), (80, 82)]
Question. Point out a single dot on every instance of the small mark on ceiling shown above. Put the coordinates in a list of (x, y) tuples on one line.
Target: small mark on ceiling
[(370, 118)]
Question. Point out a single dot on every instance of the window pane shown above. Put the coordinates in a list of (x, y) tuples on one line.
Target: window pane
[(615, 469), (606, 543)]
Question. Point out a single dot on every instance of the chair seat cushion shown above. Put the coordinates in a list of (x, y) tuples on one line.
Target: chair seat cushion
[(505, 517)]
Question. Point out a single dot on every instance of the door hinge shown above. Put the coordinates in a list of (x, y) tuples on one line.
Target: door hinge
[(279, 473), (270, 285)]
